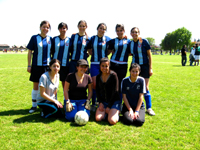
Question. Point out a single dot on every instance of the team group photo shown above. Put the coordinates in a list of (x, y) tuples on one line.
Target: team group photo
[(99, 75)]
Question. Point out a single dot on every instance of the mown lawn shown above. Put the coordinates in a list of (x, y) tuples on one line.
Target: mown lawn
[(175, 100)]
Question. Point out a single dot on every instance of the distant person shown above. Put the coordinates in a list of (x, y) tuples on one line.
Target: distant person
[(78, 45), (75, 91), (48, 87), (60, 51), (192, 56), (39, 51), (97, 48), (141, 51), (133, 90), (184, 55), (107, 90), (197, 54)]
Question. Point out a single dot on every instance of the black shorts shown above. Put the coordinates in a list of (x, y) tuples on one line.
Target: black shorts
[(64, 71), (144, 71), (37, 71)]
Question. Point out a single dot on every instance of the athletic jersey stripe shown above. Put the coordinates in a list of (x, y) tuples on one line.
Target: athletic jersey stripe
[(123, 50), (83, 47), (95, 45), (75, 46), (40, 50), (116, 49), (57, 47), (65, 55)]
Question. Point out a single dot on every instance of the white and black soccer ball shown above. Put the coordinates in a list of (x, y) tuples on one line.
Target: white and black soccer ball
[(81, 118)]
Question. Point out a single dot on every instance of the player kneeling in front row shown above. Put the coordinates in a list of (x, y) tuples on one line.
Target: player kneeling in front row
[(75, 91), (107, 93), (48, 85), (133, 89)]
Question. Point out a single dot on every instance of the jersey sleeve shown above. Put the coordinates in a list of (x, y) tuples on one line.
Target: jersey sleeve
[(123, 86), (89, 45), (31, 45), (146, 44), (143, 89), (111, 44), (71, 44), (43, 81)]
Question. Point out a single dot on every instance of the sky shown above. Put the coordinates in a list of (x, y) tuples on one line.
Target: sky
[(20, 19)]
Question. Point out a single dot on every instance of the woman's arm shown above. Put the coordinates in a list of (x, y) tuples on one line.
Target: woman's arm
[(131, 114), (29, 61), (89, 91), (150, 62), (139, 105), (66, 89), (47, 97)]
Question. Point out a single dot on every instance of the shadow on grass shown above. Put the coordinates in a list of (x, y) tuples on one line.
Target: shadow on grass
[(34, 118), (15, 112)]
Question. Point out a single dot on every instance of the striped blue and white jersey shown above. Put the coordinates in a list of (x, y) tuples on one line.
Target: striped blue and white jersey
[(99, 47), (119, 47), (78, 46), (60, 50), (41, 48), (139, 51)]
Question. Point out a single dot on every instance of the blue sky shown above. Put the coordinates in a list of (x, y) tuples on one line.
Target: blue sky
[(20, 19)]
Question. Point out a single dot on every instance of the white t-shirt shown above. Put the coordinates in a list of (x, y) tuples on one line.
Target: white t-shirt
[(50, 87)]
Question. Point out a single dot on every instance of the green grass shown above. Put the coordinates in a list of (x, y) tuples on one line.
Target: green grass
[(175, 100)]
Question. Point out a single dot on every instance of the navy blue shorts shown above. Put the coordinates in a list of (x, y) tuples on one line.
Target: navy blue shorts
[(116, 105), (94, 69), (37, 71), (144, 71), (78, 105)]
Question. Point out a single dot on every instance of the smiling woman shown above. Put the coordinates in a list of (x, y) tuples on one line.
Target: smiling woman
[(75, 91), (48, 85), (40, 47)]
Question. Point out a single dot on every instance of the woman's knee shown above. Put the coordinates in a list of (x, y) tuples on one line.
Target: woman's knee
[(113, 120)]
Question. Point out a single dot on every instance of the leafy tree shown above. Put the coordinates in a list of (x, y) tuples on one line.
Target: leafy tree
[(151, 40)]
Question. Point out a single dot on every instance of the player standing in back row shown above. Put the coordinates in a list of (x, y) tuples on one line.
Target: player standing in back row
[(39, 49), (141, 51)]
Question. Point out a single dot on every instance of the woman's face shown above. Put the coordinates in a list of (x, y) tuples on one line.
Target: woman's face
[(55, 68), (120, 32), (101, 30), (44, 29), (82, 69), (135, 33), (134, 72), (63, 30), (82, 27), (104, 67)]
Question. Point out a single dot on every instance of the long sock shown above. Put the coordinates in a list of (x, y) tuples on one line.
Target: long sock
[(147, 98), (94, 96), (34, 96)]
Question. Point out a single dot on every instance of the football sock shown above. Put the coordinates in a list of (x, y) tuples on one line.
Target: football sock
[(34, 96), (147, 97), (94, 96)]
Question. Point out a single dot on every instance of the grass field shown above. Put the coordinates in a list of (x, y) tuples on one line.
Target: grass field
[(175, 100)]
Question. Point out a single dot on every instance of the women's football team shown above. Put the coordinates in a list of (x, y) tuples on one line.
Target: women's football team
[(65, 59)]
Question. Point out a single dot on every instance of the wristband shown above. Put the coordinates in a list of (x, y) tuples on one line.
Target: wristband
[(137, 111), (29, 66)]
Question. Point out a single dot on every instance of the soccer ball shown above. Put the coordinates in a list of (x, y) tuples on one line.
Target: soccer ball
[(81, 118)]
